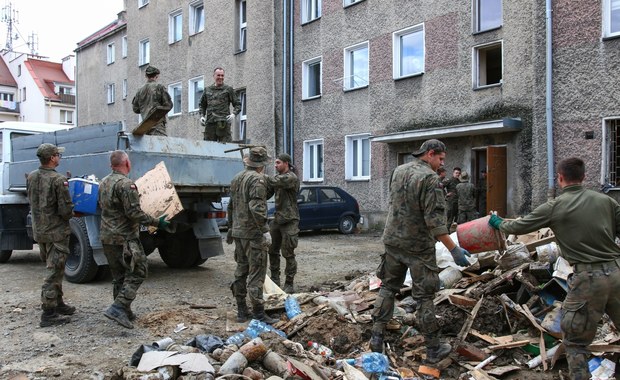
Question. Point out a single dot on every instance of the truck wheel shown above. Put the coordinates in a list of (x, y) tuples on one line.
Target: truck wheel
[(5, 255), (180, 250), (81, 266)]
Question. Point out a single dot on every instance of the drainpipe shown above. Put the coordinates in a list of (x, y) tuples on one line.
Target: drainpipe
[(549, 104), (284, 86), (291, 77)]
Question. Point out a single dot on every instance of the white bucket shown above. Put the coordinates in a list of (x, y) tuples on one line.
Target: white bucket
[(548, 253), (449, 276)]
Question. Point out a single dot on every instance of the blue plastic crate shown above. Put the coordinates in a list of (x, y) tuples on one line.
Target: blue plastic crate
[(84, 194)]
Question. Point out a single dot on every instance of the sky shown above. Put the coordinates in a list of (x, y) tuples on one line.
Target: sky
[(59, 24)]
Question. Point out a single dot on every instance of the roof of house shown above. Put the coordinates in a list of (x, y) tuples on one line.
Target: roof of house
[(45, 74), (6, 79), (101, 33)]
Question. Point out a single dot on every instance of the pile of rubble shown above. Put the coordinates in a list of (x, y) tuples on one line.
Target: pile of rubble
[(501, 315)]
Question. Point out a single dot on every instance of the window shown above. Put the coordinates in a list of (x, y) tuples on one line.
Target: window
[(243, 116), (124, 47), (6, 96), (611, 154), (111, 53), (144, 51), (175, 93), (66, 117), (357, 153), (142, 3), (111, 92), (124, 88), (65, 90), (23, 94), (243, 26), (19, 70), (488, 65), (310, 10), (313, 160), (356, 66), (408, 52), (175, 26), (346, 3), (195, 89), (196, 17), (611, 18), (487, 15), (311, 78)]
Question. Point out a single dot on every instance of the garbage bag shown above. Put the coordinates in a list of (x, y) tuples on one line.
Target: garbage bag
[(208, 343)]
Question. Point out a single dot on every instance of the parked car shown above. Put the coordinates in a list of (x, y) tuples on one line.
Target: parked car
[(325, 207), (223, 206)]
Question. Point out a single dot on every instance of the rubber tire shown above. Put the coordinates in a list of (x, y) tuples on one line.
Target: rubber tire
[(80, 266), (180, 250), (346, 225), (5, 255)]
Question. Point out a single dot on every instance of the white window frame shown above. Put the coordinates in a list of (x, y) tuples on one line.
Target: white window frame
[(348, 3), (175, 26), (310, 10), (351, 80), (142, 3), (607, 13), (476, 7), (354, 157), (171, 91), (243, 115), (193, 95), (196, 17), (476, 64), (243, 25), (110, 92), (124, 88), (63, 117), (313, 162), (111, 53), (397, 53), (305, 73), (124, 46), (144, 52)]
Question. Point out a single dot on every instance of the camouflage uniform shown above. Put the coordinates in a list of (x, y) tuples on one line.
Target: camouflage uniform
[(121, 217), (416, 215), (585, 224), (452, 200), (215, 107), (52, 208), (285, 226), (466, 195), (149, 96), (481, 190)]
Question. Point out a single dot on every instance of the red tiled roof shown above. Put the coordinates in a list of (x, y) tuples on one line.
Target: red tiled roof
[(6, 79), (45, 74), (116, 24)]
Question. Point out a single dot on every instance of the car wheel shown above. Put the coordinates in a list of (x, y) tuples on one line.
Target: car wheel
[(5, 255), (346, 225)]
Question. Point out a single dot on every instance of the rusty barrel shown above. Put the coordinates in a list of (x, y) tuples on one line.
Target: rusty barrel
[(478, 236)]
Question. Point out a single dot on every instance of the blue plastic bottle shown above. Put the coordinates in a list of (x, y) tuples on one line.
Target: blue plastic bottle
[(236, 339), (256, 327), (292, 307), (371, 362)]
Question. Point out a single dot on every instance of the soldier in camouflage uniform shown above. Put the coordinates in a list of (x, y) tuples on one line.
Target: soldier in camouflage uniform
[(285, 226), (50, 202), (121, 217), (247, 216), (452, 200), (586, 224), (415, 220), (149, 96), (466, 195), (215, 109)]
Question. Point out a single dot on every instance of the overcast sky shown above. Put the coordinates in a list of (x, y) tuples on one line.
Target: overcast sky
[(59, 24)]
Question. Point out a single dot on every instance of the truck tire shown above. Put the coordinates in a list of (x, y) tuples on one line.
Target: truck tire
[(180, 250), (5, 255), (80, 266)]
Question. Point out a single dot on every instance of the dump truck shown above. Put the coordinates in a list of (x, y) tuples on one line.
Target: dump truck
[(201, 172)]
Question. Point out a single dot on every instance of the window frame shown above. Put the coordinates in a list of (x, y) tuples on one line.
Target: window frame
[(124, 46), (243, 116), (348, 3), (608, 144), (143, 3), (171, 88), (124, 88), (66, 120), (192, 95), (305, 78), (606, 22), (351, 158), (315, 9), (397, 54), (310, 162), (242, 42), (476, 64), (144, 52), (110, 93), (175, 26), (349, 63), (110, 53), (194, 16), (476, 18)]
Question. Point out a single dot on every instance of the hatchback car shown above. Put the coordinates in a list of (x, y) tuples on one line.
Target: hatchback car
[(325, 207)]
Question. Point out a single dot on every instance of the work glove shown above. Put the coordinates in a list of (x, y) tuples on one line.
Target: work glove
[(163, 223), (230, 117), (267, 239), (458, 254), (495, 221), (203, 121), (229, 237)]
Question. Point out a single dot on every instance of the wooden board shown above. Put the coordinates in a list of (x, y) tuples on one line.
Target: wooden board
[(152, 118), (157, 193)]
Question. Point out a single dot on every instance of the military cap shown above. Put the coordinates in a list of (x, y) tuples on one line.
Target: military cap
[(284, 157), (47, 150), (428, 145), (464, 177), (258, 157), (152, 70)]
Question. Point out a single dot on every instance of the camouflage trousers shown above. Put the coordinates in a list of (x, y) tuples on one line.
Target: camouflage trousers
[(251, 259), (452, 211), (424, 274), (129, 269), (218, 131), (158, 129), (283, 239), (466, 216), (593, 290), (55, 256)]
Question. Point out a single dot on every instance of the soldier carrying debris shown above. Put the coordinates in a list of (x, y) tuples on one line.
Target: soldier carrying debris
[(150, 96)]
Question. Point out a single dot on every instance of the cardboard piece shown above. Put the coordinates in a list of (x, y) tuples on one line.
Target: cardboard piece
[(157, 193), (152, 118), (191, 362)]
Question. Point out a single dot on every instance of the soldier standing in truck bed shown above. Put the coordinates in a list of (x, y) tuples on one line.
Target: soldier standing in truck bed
[(215, 109), (149, 96)]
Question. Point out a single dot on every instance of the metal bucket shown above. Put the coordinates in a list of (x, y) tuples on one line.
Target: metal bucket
[(478, 236)]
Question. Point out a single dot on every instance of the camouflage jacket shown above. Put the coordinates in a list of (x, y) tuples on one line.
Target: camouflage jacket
[(215, 103), (121, 214), (149, 96), (450, 189), (285, 186), (247, 208), (466, 194), (51, 205), (417, 206)]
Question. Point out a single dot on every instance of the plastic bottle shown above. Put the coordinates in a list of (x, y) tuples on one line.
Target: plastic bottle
[(236, 339), (256, 327), (292, 307), (320, 349), (371, 362)]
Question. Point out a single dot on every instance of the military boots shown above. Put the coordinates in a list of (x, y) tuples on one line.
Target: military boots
[(51, 318), (118, 314), (288, 285), (376, 339), (436, 354), (259, 313), (243, 313), (64, 309)]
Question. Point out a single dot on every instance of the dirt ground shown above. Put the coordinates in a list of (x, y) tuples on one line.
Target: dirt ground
[(93, 347)]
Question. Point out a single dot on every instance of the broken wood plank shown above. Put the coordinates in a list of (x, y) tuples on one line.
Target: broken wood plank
[(456, 299), (470, 320), (478, 374), (500, 371), (499, 280), (532, 245), (604, 348), (487, 338), (518, 343)]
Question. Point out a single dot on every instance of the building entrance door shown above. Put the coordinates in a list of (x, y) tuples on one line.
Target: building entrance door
[(493, 160)]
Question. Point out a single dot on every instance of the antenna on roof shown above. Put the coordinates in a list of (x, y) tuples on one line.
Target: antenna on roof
[(10, 17), (33, 43)]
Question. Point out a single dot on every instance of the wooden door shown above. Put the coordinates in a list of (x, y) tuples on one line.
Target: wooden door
[(496, 180)]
